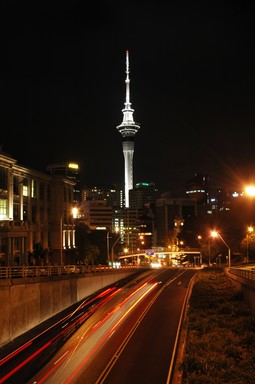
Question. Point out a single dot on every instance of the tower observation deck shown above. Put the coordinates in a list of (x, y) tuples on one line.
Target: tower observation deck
[(128, 129)]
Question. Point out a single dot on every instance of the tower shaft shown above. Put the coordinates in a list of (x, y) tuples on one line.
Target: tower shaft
[(128, 129)]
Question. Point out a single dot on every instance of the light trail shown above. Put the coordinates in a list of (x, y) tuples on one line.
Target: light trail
[(65, 370), (70, 322)]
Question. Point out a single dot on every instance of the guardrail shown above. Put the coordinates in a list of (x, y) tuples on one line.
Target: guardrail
[(31, 271), (244, 272)]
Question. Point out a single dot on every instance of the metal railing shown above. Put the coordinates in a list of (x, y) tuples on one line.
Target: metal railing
[(247, 272), (40, 271), (11, 272)]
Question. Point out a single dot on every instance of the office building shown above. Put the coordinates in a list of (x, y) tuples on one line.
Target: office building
[(143, 195), (35, 208), (198, 187), (69, 170)]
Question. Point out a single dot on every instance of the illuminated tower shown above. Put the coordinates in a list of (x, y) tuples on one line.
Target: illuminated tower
[(128, 129)]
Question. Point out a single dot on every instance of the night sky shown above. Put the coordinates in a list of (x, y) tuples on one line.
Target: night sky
[(192, 84)]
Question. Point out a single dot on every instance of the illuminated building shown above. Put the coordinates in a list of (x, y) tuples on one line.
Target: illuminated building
[(97, 214), (143, 195), (112, 194), (198, 188), (71, 171), (34, 206)]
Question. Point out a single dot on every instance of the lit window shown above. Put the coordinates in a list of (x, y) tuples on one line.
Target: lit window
[(25, 190), (3, 209)]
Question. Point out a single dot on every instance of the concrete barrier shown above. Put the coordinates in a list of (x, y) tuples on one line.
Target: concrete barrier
[(245, 284), (26, 303)]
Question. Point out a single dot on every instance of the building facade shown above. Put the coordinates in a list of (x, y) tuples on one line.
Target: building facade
[(68, 170), (35, 208)]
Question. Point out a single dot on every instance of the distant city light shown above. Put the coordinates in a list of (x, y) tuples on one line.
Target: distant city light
[(73, 165)]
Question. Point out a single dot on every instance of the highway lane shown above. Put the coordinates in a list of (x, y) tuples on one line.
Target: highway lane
[(132, 338), (23, 362), (148, 356), (101, 332), (21, 359)]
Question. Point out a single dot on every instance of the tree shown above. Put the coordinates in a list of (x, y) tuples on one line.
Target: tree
[(92, 253), (248, 246), (82, 241), (39, 253)]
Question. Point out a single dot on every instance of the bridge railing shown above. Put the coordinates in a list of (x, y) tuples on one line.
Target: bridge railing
[(244, 272), (12, 272)]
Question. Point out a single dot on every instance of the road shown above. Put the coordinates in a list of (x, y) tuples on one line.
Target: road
[(147, 355), (127, 334), (131, 339)]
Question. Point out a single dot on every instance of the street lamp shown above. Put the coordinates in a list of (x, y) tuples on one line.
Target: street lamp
[(113, 247), (249, 231), (250, 190), (108, 247), (216, 234)]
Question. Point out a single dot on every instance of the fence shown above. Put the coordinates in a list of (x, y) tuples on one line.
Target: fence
[(29, 271), (244, 272)]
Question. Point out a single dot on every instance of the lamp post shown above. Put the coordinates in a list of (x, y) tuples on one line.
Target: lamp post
[(113, 248), (108, 247), (249, 231), (216, 234)]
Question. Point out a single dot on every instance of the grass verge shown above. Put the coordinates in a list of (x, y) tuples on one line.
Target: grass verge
[(220, 333)]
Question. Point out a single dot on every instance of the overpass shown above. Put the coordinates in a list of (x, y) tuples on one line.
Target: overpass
[(164, 257)]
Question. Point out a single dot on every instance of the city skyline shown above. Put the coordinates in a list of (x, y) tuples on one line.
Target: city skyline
[(192, 89)]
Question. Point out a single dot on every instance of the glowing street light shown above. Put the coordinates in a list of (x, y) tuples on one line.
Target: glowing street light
[(112, 252), (250, 190), (250, 229), (110, 255), (216, 234)]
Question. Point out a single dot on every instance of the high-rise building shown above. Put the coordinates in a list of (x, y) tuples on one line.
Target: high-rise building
[(97, 214), (143, 195), (112, 194), (198, 188), (128, 129), (71, 171)]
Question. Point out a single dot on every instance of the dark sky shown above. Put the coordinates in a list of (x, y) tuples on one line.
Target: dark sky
[(192, 85)]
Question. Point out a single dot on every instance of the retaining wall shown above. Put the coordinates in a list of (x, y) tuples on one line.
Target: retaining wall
[(247, 287), (26, 303)]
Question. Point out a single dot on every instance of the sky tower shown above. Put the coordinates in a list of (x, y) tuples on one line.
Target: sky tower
[(128, 129)]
